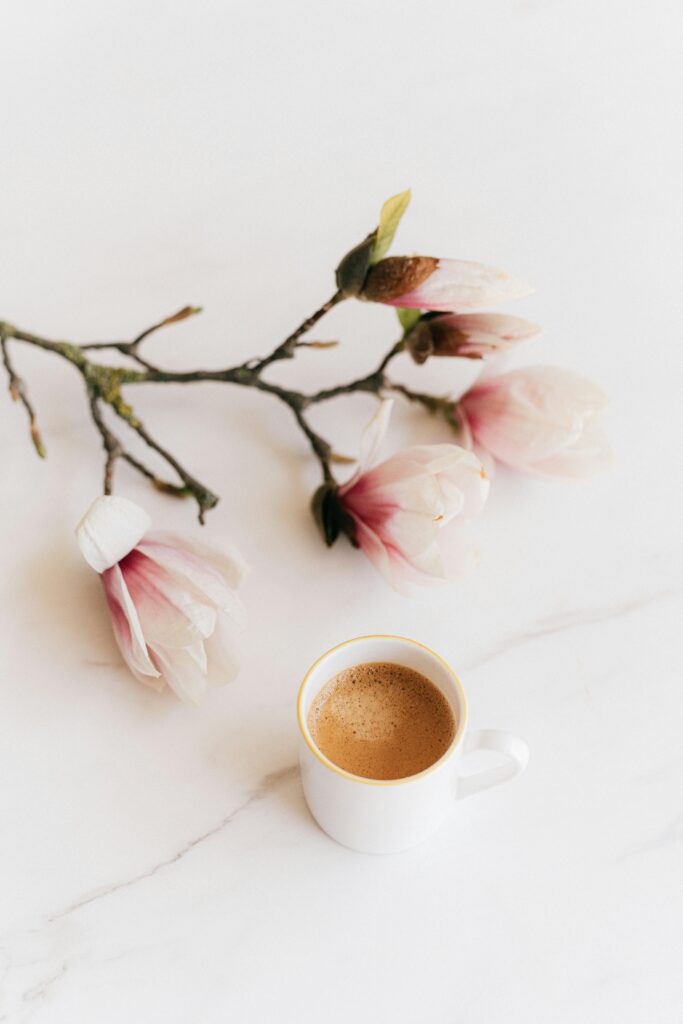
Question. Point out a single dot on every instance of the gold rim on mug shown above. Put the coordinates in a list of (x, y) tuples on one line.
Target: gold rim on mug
[(303, 726)]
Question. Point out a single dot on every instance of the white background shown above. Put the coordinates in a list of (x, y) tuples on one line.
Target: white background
[(157, 863)]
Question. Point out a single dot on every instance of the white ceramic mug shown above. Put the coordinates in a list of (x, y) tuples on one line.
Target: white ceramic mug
[(387, 816)]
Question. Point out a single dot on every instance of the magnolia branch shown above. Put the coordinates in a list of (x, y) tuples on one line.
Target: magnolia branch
[(104, 386)]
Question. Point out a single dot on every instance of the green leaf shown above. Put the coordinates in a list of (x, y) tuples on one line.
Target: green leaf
[(408, 318), (389, 219)]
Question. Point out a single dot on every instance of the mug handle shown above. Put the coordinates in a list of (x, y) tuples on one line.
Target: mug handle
[(497, 741)]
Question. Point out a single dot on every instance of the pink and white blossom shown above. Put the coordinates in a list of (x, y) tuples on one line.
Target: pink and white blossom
[(540, 418), (172, 599), (468, 335), (423, 282), (408, 510)]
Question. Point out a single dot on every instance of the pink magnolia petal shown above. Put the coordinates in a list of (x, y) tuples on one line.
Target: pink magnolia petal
[(169, 615), (529, 415), (521, 425), (127, 628), (373, 549), (460, 284), (197, 575), (415, 492)]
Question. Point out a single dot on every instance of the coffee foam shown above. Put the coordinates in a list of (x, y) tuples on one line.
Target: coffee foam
[(380, 720)]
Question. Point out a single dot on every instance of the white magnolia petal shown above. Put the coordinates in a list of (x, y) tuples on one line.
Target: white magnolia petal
[(462, 285), (223, 665), (109, 530), (411, 533), (182, 673), (198, 654), (590, 454), (427, 566), (374, 434), (492, 329), (452, 498), (223, 558), (468, 483), (409, 467)]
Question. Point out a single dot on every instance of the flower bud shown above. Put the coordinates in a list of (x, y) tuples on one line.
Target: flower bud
[(423, 282), (470, 336)]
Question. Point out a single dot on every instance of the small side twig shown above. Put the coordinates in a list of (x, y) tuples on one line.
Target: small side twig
[(320, 446), (432, 403), (130, 348), (286, 349), (115, 450), (205, 498), (398, 347), (112, 445), (17, 390)]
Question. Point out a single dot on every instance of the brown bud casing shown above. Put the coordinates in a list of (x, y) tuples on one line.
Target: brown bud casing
[(396, 276), (434, 336)]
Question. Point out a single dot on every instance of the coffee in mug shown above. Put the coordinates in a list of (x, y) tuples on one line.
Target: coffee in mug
[(381, 720)]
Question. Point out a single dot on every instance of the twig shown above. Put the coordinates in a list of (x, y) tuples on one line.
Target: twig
[(432, 403), (398, 347), (286, 348), (112, 445), (115, 450), (129, 347), (17, 390), (165, 486), (205, 498)]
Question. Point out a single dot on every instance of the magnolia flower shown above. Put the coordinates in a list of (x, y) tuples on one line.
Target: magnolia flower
[(403, 510), (472, 335), (170, 598), (540, 418), (422, 282)]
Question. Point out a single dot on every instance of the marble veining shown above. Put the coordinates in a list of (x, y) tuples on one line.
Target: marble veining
[(573, 619), (259, 792)]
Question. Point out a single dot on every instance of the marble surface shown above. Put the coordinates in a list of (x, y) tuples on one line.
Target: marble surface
[(158, 862)]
